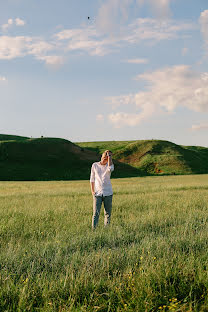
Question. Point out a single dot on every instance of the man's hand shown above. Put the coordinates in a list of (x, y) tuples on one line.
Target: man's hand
[(109, 153)]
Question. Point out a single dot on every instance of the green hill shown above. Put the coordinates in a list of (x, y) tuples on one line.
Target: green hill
[(44, 159), (8, 137), (23, 158), (155, 156)]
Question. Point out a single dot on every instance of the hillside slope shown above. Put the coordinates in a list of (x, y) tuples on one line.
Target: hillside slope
[(155, 156), (23, 158), (44, 159), (8, 137)]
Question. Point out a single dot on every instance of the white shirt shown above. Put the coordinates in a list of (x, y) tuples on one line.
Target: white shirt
[(100, 174)]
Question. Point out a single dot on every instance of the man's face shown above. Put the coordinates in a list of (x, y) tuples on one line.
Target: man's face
[(104, 158)]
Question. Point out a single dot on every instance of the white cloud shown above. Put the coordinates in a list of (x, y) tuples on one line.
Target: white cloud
[(112, 14), (10, 21), (202, 126), (2, 78), (90, 40), (124, 119), (54, 61), (138, 61), (203, 20), (153, 30), (167, 89), (19, 22), (39, 47), (20, 46), (7, 25), (120, 119), (117, 101), (13, 47), (100, 118), (84, 39), (176, 86), (75, 33)]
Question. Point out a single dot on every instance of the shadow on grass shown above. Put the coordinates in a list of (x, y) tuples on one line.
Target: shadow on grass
[(55, 170)]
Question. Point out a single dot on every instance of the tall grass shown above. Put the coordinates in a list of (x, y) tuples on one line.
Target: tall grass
[(153, 257)]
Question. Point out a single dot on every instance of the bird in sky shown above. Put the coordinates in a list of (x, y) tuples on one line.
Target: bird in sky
[(88, 17)]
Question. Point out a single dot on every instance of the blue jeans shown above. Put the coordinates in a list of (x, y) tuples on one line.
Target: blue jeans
[(97, 203)]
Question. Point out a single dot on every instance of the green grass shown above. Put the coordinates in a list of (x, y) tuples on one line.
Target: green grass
[(46, 159), (153, 257), (153, 157), (100, 146), (8, 137)]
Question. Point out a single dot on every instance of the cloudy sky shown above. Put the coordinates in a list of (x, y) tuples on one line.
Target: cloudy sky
[(137, 69)]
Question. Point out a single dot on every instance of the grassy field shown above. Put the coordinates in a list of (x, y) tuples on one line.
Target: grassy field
[(153, 257)]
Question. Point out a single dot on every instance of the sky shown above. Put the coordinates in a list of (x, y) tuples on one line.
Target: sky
[(133, 70)]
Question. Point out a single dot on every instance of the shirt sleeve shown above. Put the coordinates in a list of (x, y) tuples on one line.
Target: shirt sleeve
[(111, 168), (92, 175)]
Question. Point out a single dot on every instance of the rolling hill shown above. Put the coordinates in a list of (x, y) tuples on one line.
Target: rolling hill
[(43, 159), (8, 137), (23, 158), (155, 156)]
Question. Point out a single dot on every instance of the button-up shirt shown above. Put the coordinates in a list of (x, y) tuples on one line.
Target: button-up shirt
[(100, 174)]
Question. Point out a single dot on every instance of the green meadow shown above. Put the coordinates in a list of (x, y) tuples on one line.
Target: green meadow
[(153, 256)]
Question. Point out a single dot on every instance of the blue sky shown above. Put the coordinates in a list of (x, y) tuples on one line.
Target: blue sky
[(136, 70)]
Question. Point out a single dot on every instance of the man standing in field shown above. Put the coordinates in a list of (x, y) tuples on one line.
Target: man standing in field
[(101, 188)]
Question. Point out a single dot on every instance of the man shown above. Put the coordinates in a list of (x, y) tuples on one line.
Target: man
[(101, 188)]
